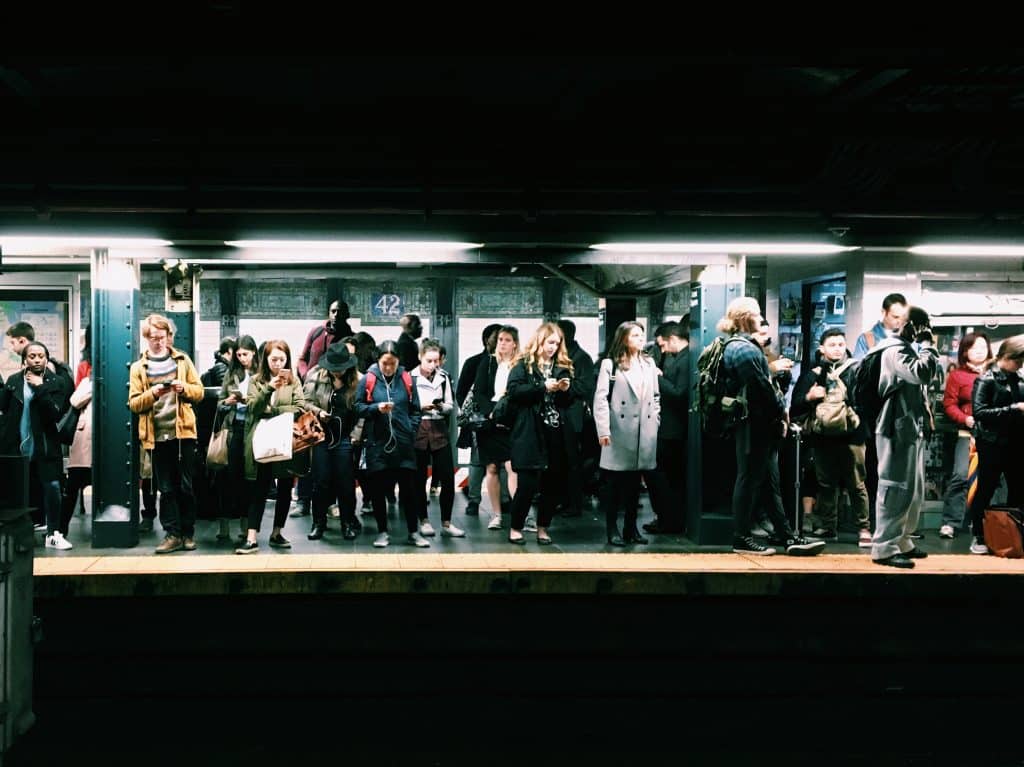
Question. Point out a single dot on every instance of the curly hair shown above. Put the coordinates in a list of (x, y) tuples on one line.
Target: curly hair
[(532, 354)]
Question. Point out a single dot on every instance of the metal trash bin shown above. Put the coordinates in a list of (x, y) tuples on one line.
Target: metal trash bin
[(17, 542)]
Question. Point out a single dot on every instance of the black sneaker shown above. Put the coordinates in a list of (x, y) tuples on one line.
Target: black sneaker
[(750, 545), (472, 509), (280, 542), (248, 548), (798, 546)]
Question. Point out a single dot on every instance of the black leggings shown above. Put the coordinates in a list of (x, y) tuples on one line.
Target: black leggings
[(552, 483), (258, 504), (383, 481), (620, 489), (443, 473), (79, 478)]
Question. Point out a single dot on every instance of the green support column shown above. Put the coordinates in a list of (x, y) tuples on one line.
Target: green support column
[(612, 312), (115, 322), (553, 293)]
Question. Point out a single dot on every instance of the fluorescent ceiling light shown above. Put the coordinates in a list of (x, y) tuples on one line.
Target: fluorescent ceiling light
[(45, 261), (70, 245), (354, 245), (967, 250), (752, 248)]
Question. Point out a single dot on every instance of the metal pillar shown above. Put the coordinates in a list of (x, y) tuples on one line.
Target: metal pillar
[(711, 463), (115, 452), (553, 293)]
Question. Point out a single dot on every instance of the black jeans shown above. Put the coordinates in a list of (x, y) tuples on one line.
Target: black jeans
[(333, 481), (172, 478), (235, 491), (443, 472), (383, 482), (44, 495), (757, 477), (620, 490), (995, 462), (552, 483), (258, 500), (79, 478)]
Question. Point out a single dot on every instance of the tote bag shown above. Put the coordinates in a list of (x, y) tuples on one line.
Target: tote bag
[(217, 452), (272, 439)]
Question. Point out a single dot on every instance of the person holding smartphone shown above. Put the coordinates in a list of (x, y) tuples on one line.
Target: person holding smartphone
[(541, 387), (433, 448), (273, 391)]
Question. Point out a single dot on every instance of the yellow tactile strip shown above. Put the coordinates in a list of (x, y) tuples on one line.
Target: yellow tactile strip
[(679, 575)]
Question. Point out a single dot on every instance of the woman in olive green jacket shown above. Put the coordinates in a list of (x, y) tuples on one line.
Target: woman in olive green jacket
[(274, 390)]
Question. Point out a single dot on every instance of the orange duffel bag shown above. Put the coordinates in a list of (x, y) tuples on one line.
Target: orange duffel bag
[(1003, 536)]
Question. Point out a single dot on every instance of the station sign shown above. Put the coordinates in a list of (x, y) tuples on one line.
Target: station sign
[(387, 305)]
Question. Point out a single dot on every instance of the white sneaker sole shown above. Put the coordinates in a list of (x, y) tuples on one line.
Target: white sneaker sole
[(806, 549), (766, 553), (446, 533)]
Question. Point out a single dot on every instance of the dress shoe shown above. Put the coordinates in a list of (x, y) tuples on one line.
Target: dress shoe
[(316, 533), (616, 540), (915, 553), (349, 532), (896, 560), (635, 537), (520, 541), (544, 540)]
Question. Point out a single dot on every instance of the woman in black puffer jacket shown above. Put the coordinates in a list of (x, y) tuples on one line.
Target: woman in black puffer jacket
[(998, 408)]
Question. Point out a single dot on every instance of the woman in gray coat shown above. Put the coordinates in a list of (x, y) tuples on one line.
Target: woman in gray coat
[(627, 412)]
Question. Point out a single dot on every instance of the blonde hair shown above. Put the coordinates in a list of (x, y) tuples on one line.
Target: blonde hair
[(738, 317), (159, 322), (1012, 348), (532, 354)]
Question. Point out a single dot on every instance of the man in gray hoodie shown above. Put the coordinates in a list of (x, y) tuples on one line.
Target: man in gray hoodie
[(909, 361)]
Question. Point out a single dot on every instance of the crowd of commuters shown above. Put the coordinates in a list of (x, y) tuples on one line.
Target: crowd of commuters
[(546, 427)]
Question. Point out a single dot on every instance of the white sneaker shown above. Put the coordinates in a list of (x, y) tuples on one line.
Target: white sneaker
[(495, 523), (451, 531), (57, 541), (978, 547), (419, 541), (426, 529), (530, 525), (382, 540), (946, 531), (40, 528)]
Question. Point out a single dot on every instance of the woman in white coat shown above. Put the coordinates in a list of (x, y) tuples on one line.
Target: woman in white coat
[(627, 413)]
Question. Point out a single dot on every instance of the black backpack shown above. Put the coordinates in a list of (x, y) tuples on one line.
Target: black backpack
[(865, 398)]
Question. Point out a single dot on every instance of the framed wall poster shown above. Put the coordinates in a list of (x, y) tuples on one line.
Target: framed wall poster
[(46, 310)]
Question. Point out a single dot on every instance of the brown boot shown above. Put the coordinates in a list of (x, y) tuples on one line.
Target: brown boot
[(171, 543)]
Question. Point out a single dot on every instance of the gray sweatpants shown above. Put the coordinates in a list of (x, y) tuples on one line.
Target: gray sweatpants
[(900, 496)]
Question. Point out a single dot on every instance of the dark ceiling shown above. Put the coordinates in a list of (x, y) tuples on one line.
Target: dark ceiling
[(889, 145)]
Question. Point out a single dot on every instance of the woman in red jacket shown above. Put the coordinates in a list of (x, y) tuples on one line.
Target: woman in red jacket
[(973, 359)]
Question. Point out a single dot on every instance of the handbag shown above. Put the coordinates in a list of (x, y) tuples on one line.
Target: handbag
[(68, 425), (504, 413), (306, 432), (1003, 535), (469, 413), (217, 452), (272, 439)]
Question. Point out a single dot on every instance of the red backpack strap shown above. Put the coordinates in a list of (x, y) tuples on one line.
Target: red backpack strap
[(407, 380), (371, 381)]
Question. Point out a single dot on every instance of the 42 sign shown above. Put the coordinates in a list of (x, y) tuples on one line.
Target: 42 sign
[(387, 305)]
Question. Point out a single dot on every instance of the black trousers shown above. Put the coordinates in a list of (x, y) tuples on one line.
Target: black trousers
[(261, 487), (234, 490), (333, 481), (172, 478), (443, 473), (383, 482), (995, 462), (79, 478), (620, 490), (757, 477), (149, 510), (551, 483), (667, 484)]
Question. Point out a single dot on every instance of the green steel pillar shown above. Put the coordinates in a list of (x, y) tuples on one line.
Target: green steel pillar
[(115, 452)]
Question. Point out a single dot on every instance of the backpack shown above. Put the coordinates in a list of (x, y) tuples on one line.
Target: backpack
[(1003, 525), (371, 382), (719, 411), (833, 416), (866, 399)]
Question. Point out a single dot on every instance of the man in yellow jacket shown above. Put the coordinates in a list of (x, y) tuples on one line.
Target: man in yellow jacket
[(164, 384)]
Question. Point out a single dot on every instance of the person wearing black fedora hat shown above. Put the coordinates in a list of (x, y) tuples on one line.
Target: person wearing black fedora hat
[(330, 389)]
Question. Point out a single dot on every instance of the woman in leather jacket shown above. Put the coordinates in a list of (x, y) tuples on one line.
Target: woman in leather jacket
[(998, 408)]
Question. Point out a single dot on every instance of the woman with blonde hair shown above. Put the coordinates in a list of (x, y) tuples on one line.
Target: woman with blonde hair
[(495, 441), (275, 389), (541, 387), (627, 412)]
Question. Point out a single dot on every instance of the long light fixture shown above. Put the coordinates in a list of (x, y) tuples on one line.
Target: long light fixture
[(751, 248), (967, 250), (376, 245), (18, 245)]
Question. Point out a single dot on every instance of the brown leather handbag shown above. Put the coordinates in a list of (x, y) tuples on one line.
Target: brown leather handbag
[(306, 432)]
